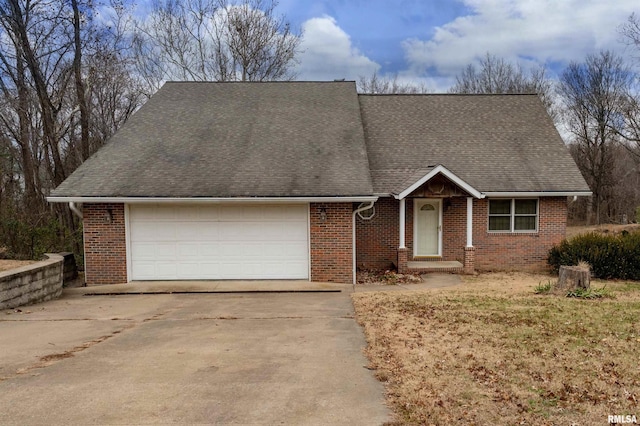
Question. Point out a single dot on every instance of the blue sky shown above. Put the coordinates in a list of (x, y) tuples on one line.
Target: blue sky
[(430, 41)]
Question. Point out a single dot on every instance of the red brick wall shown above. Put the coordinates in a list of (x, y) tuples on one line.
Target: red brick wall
[(378, 239), (331, 241), (105, 247), (519, 251)]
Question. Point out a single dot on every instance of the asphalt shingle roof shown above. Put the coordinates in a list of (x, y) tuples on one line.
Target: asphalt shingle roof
[(272, 139), (306, 139), (501, 143)]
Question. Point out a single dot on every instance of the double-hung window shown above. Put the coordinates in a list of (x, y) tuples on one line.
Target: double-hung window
[(513, 215)]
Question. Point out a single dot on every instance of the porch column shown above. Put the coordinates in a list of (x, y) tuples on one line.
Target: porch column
[(469, 221), (469, 250), (402, 223), (402, 249)]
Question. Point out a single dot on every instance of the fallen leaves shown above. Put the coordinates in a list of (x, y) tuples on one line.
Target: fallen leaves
[(480, 356)]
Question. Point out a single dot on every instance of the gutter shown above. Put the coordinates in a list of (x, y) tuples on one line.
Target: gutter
[(75, 209), (538, 194), (353, 243), (213, 200)]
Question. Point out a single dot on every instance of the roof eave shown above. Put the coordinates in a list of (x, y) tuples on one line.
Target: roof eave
[(212, 200), (498, 194)]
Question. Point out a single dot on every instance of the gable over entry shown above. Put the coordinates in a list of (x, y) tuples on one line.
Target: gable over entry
[(432, 217)]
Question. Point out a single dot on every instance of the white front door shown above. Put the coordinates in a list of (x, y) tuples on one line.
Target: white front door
[(427, 219)]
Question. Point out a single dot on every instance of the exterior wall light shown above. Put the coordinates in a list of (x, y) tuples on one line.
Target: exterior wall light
[(108, 216), (323, 213)]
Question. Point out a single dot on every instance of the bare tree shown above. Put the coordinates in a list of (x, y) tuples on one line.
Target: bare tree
[(63, 91), (376, 84), (630, 132), (215, 40), (630, 32), (496, 75), (593, 93)]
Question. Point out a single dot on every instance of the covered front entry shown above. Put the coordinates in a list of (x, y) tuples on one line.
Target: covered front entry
[(431, 192), (191, 242), (427, 227)]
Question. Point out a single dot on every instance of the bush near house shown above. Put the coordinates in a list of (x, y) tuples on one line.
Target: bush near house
[(610, 256)]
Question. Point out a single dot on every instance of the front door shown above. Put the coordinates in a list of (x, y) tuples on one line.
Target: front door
[(427, 227)]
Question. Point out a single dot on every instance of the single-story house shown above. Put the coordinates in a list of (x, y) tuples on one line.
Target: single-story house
[(309, 180)]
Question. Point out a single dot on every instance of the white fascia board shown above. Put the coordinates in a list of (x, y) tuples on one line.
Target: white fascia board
[(517, 194), (213, 200), (440, 169)]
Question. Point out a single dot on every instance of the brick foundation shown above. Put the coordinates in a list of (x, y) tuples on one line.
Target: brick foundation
[(105, 247), (331, 242), (469, 260), (403, 258)]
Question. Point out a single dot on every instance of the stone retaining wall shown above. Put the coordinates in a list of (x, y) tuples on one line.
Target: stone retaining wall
[(38, 282)]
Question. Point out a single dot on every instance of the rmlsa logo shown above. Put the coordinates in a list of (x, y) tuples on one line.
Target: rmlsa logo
[(622, 419)]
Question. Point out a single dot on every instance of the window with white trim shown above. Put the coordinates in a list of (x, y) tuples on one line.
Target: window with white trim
[(513, 215)]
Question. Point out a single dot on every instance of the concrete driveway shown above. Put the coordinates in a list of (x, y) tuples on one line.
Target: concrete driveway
[(267, 358)]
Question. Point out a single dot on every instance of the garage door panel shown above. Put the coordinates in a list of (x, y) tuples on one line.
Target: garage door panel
[(144, 270), (187, 270), (219, 242), (143, 251), (208, 250), (196, 231), (209, 269), (294, 250), (166, 269), (165, 251), (152, 232), (187, 251)]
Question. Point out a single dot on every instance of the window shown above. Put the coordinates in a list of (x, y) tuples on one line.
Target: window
[(513, 215)]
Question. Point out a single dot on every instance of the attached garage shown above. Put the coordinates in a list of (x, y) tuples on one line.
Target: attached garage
[(207, 242)]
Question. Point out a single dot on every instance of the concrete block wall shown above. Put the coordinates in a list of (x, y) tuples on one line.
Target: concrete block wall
[(38, 282)]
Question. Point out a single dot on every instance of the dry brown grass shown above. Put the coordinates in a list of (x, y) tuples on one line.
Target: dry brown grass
[(6, 264), (492, 352), (572, 231)]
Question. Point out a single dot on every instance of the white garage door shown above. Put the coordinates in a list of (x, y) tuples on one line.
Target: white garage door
[(218, 242)]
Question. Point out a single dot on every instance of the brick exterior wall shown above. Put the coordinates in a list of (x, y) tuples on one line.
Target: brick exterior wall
[(105, 247), (519, 251), (331, 242), (378, 239)]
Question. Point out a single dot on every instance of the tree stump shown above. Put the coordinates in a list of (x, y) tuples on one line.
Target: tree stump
[(573, 277)]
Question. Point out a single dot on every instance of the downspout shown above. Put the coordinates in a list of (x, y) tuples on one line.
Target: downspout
[(353, 243), (75, 209)]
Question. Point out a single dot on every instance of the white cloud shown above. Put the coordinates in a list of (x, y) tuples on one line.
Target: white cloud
[(328, 53), (536, 31)]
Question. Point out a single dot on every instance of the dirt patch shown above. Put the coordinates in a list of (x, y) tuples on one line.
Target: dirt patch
[(572, 231), (6, 264), (490, 351), (385, 277)]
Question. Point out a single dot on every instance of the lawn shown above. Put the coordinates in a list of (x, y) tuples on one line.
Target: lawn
[(490, 351)]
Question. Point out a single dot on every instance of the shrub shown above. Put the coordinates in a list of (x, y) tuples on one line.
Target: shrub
[(610, 256), (21, 240)]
